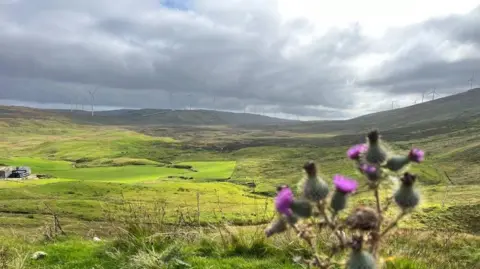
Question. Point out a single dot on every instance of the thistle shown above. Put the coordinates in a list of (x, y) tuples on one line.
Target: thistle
[(278, 226), (301, 208), (356, 151), (372, 173), (344, 186), (363, 222), (286, 205), (313, 188), (360, 259), (363, 218), (416, 155), (396, 163), (406, 196), (284, 200), (375, 154)]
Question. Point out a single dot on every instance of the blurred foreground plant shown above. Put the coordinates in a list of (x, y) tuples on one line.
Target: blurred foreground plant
[(361, 232)]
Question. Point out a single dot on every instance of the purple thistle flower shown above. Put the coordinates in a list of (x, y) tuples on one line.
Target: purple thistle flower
[(344, 184), (369, 169), (355, 151), (284, 200), (416, 155)]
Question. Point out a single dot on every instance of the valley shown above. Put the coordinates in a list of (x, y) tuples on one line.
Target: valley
[(108, 174)]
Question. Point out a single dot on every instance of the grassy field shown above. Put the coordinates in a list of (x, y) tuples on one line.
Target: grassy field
[(106, 181)]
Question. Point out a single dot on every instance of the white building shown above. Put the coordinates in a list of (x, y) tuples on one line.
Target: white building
[(5, 171)]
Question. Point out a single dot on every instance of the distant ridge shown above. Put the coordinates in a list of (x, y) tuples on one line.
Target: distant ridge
[(465, 105), (458, 106), (168, 117)]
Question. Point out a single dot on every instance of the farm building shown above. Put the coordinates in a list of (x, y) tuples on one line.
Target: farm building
[(5, 171), (21, 172), (14, 172)]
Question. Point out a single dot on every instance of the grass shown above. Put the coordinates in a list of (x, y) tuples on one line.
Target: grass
[(105, 174), (242, 249), (126, 173), (87, 200)]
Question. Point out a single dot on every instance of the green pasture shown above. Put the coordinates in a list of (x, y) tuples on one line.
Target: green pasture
[(106, 176), (213, 170)]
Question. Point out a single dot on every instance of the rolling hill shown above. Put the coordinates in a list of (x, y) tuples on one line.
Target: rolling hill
[(101, 178), (464, 106), (139, 117)]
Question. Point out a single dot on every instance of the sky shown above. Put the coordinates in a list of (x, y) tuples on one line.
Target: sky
[(290, 58)]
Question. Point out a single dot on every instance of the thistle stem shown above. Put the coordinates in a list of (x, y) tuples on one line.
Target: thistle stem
[(375, 238), (308, 240), (394, 223), (377, 199), (387, 204), (331, 223)]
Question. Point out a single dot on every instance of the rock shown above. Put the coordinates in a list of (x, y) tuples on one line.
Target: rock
[(39, 255)]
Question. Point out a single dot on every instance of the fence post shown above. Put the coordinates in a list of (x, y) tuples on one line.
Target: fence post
[(198, 208), (446, 189)]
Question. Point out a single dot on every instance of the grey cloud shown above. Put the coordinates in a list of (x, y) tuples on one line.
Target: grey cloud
[(419, 65), (138, 52), (178, 52)]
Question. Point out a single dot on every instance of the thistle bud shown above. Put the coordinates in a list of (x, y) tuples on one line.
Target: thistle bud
[(396, 163), (370, 171), (344, 186), (363, 218), (406, 196), (301, 208), (291, 219), (360, 259), (375, 154), (313, 187), (277, 226)]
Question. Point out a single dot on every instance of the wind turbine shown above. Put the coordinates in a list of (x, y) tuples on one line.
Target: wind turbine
[(423, 96), (471, 80), (393, 103), (190, 101), (170, 97), (433, 93), (92, 96)]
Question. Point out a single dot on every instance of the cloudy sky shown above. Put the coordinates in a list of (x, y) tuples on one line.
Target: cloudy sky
[(283, 57)]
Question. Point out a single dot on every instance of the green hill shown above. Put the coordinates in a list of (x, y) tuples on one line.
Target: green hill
[(463, 106), (145, 188), (168, 117)]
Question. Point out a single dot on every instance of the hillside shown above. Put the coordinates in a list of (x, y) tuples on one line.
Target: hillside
[(464, 105), (168, 117), (129, 185), (138, 117)]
